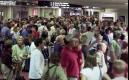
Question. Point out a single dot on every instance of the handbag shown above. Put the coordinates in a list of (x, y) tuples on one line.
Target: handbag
[(47, 75)]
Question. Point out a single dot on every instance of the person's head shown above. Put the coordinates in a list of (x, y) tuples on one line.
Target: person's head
[(68, 40), (7, 44), (62, 32), (89, 28), (122, 36), (119, 68), (98, 37), (34, 28), (116, 35), (39, 43), (75, 42), (72, 26), (20, 40), (54, 59), (91, 61), (108, 30), (76, 33), (60, 39), (102, 47)]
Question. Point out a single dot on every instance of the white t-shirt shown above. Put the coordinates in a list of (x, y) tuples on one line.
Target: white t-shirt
[(91, 74), (120, 78)]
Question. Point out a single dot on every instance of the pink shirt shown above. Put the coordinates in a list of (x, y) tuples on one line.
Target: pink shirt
[(69, 61)]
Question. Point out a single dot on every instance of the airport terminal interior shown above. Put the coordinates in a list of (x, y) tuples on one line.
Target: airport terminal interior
[(63, 39)]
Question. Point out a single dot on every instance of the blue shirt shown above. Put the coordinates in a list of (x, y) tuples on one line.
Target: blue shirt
[(24, 33), (5, 32)]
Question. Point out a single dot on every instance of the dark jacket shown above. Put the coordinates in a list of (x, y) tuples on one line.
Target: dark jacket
[(58, 47), (7, 58)]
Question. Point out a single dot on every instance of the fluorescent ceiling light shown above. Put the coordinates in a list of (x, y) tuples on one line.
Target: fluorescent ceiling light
[(95, 7), (126, 3)]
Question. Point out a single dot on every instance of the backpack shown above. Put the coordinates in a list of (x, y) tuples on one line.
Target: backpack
[(47, 75)]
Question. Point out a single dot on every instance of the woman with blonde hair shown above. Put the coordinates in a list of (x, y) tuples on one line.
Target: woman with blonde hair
[(19, 55)]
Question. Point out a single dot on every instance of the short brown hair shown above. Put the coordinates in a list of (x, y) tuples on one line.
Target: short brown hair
[(54, 58), (91, 61), (119, 66)]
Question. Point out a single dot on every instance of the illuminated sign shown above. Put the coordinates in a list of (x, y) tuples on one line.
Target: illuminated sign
[(9, 3), (58, 4)]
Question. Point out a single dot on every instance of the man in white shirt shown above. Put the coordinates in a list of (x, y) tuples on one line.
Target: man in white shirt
[(36, 61)]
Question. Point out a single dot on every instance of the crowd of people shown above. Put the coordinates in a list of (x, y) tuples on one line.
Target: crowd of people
[(64, 48)]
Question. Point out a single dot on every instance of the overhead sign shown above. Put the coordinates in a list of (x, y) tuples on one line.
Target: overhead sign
[(8, 3), (59, 4), (56, 4)]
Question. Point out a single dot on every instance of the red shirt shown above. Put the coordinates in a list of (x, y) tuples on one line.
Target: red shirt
[(79, 54), (69, 61), (35, 34)]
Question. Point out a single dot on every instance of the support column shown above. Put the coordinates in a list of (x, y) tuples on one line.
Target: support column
[(10, 12)]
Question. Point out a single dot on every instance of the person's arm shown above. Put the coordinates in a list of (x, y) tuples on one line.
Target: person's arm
[(14, 53), (112, 53), (104, 66), (106, 77), (83, 77), (91, 45), (64, 61), (8, 33)]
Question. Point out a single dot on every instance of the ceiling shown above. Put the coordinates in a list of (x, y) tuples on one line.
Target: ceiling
[(117, 4), (99, 3)]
